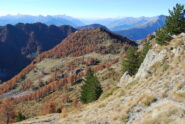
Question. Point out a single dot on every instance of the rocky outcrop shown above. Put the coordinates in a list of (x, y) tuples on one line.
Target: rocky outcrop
[(151, 58), (177, 51), (155, 56), (124, 79)]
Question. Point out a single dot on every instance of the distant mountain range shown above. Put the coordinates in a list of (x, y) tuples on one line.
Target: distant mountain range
[(142, 30), (116, 24), (21, 43), (49, 20), (133, 28)]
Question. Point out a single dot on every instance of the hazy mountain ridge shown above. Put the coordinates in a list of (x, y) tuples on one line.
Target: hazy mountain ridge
[(142, 30), (49, 20), (135, 28), (124, 23)]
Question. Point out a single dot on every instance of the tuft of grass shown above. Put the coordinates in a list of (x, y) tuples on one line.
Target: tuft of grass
[(180, 85), (124, 118), (131, 84), (146, 100), (122, 93), (180, 94), (101, 105), (108, 93), (166, 117), (165, 67), (155, 66)]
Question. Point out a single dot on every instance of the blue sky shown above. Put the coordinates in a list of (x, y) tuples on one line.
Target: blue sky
[(88, 8)]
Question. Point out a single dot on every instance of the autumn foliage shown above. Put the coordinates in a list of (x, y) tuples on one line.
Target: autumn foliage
[(7, 113), (84, 42), (64, 112), (51, 87), (56, 84), (11, 83), (27, 84), (49, 108), (103, 66)]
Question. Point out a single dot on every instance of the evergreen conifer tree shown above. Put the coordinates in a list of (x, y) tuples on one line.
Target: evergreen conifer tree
[(176, 20), (131, 62), (91, 89), (175, 24)]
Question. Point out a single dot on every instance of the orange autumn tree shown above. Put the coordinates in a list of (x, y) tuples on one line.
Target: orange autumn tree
[(49, 108), (7, 113)]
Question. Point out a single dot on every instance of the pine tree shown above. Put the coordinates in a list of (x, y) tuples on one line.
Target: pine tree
[(131, 62), (91, 89), (175, 24), (162, 36)]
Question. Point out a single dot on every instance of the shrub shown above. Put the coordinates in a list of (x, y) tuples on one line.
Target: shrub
[(162, 36), (20, 117), (59, 110), (91, 90)]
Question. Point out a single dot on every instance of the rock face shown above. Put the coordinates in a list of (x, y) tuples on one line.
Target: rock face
[(177, 51), (152, 57), (124, 79)]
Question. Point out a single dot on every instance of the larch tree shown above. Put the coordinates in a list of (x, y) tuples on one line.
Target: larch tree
[(7, 114)]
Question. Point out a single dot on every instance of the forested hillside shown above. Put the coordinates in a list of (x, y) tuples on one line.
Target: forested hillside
[(21, 43)]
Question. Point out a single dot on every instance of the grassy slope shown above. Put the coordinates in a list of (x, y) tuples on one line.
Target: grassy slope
[(34, 107)]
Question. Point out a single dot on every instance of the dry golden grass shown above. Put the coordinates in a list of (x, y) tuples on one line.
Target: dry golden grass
[(108, 93), (146, 100), (163, 115)]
